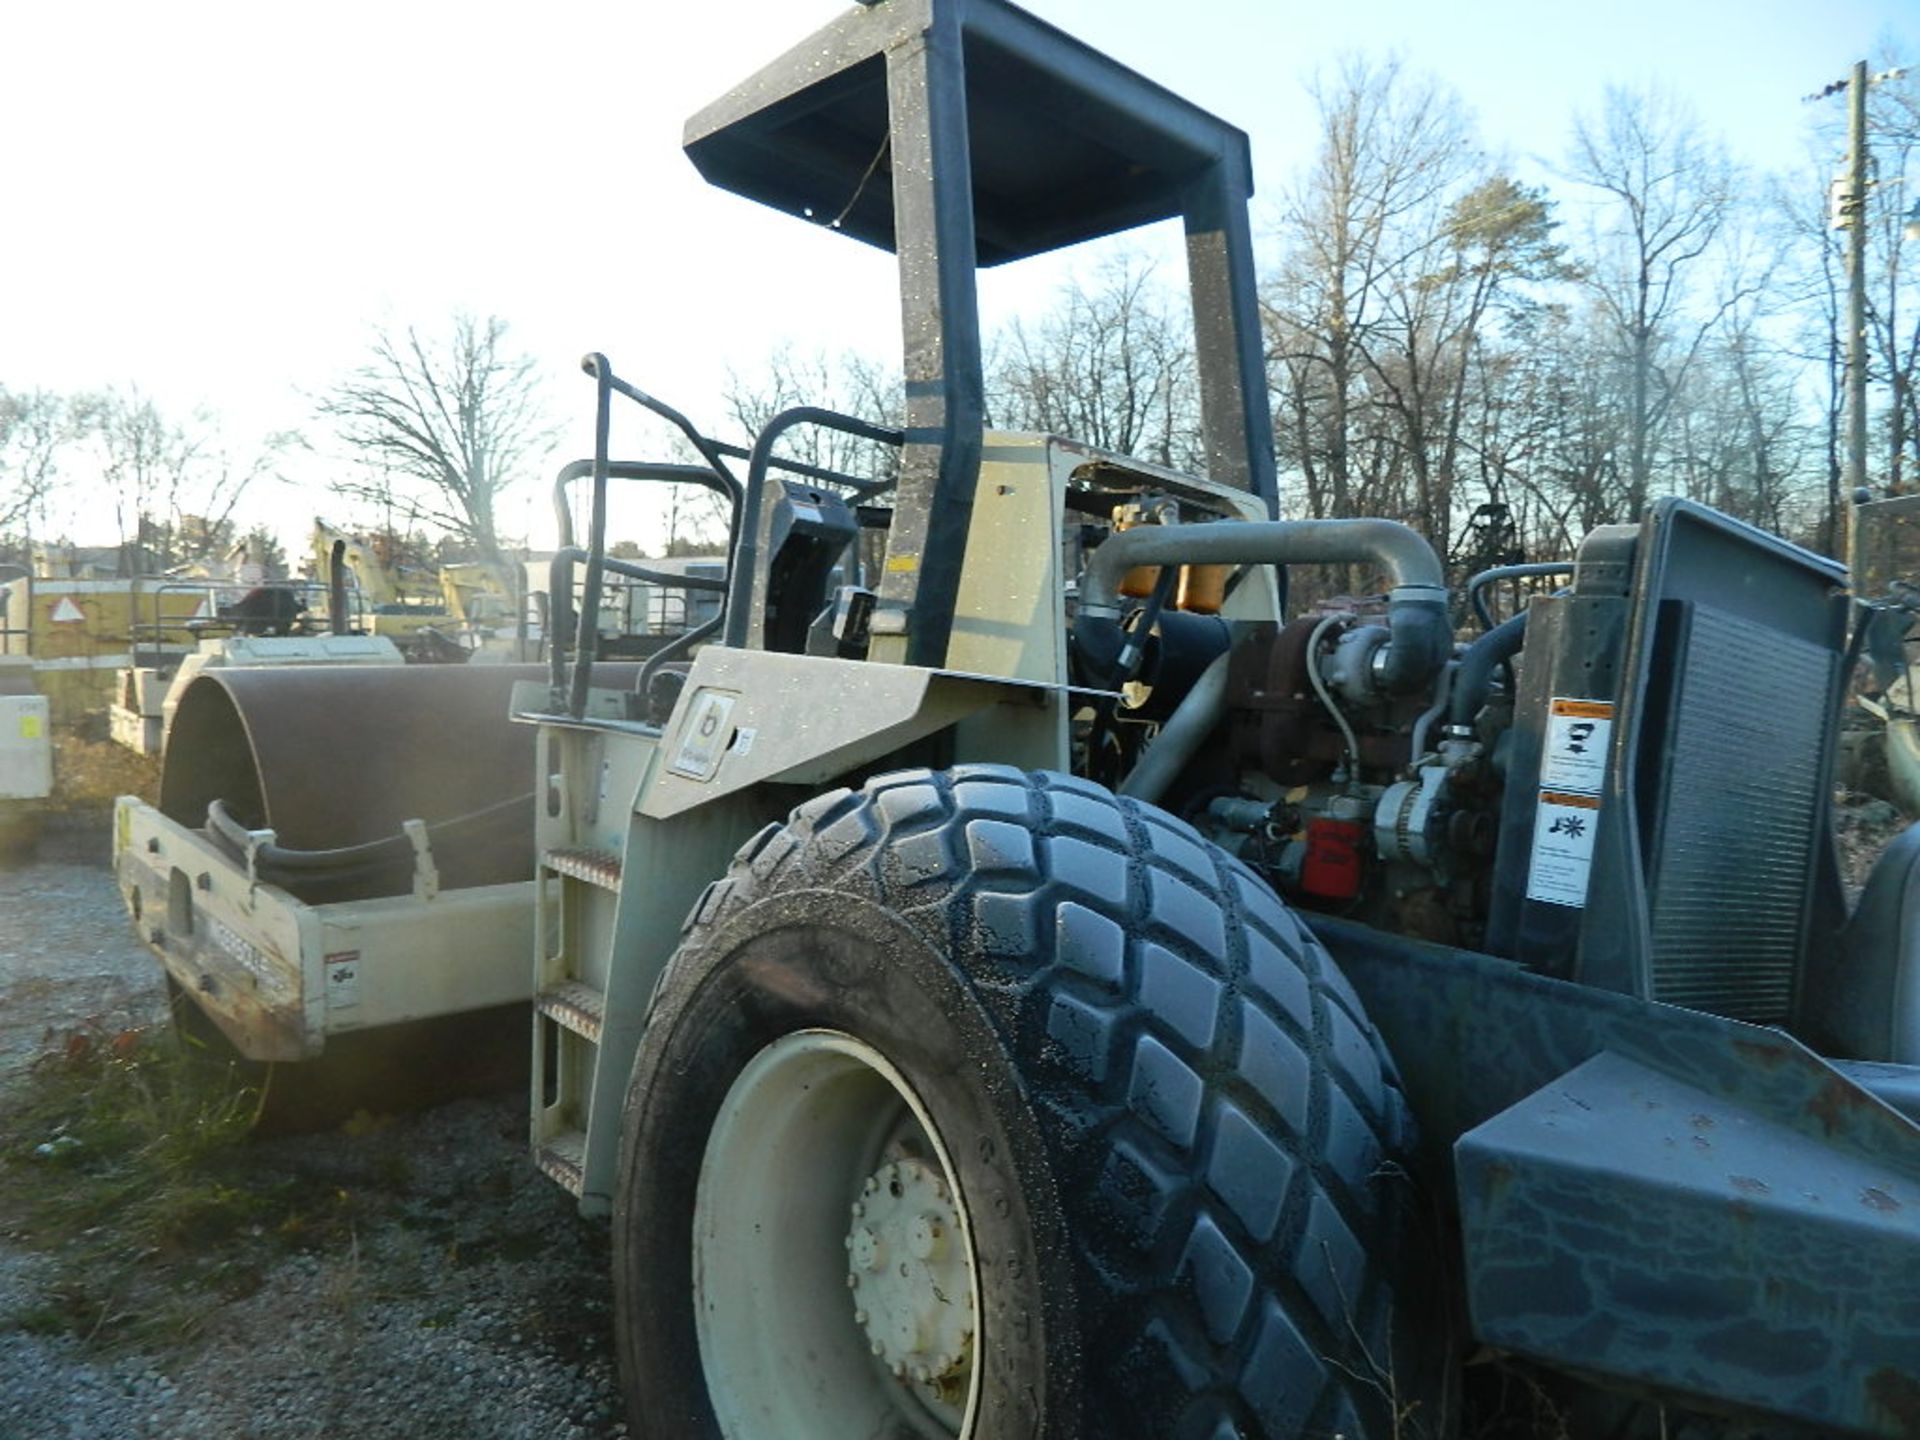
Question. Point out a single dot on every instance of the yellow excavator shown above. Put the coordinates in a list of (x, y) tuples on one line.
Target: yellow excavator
[(440, 614)]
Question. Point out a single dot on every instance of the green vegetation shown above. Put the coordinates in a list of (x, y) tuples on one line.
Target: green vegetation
[(124, 1157)]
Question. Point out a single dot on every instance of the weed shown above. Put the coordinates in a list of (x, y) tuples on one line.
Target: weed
[(123, 1153)]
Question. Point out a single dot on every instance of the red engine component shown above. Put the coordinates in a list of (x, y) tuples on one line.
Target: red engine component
[(1331, 869)]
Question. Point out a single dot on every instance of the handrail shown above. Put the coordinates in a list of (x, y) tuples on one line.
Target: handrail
[(743, 543), (746, 548), (157, 628), (561, 616), (560, 582)]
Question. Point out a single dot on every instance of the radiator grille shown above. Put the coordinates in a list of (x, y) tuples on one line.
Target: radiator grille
[(1734, 844)]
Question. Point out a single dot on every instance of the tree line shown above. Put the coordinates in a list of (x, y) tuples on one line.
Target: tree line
[(1506, 365), (1502, 364), (166, 488)]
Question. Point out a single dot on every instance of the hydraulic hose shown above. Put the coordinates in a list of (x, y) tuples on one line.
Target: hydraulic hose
[(1185, 731), (1475, 676), (1477, 586), (391, 849)]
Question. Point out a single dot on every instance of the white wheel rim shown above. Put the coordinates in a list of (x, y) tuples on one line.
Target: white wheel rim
[(822, 1262)]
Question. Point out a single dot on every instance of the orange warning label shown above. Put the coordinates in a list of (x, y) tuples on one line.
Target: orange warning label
[(1579, 802), (1584, 709), (1579, 733)]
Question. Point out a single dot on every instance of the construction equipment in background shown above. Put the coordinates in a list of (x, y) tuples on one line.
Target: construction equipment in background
[(341, 859), (400, 602), (79, 633), (482, 599), (278, 622), (435, 613), (1049, 990), (638, 617), (147, 696), (295, 623)]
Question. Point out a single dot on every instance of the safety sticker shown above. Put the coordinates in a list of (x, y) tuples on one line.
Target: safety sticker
[(1578, 732), (65, 612), (706, 736), (343, 979), (29, 727), (1563, 826)]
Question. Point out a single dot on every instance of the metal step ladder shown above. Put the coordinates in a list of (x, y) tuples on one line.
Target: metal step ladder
[(577, 893)]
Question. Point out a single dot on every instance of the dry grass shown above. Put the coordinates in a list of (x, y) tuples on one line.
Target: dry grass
[(89, 770)]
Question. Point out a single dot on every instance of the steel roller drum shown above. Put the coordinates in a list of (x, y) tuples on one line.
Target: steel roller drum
[(336, 756)]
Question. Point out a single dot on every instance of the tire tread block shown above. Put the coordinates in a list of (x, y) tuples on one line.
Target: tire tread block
[(1219, 1111)]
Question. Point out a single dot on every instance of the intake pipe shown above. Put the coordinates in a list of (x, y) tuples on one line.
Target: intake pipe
[(1403, 659), (337, 588)]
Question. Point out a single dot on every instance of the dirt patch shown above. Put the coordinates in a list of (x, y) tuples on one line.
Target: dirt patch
[(90, 770)]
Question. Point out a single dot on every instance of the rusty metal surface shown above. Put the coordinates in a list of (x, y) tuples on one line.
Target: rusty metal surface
[(329, 757), (244, 985), (576, 1005), (1768, 1258), (1697, 1244)]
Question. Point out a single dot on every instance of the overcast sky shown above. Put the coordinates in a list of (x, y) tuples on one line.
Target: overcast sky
[(217, 202)]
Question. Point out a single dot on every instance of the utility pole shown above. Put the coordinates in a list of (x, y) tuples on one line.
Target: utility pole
[(1856, 215), (1850, 214)]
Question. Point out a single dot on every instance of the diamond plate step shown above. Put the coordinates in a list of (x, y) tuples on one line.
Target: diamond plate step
[(576, 1005), (563, 1158), (596, 867)]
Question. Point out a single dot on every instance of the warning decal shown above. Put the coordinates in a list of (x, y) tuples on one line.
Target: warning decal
[(65, 612), (343, 979), (1562, 863), (1578, 732)]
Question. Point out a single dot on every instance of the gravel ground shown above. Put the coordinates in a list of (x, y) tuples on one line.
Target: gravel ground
[(437, 1285)]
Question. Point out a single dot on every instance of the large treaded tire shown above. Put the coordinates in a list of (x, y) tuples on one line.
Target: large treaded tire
[(1211, 1126)]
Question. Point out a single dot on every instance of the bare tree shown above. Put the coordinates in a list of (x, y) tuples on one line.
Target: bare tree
[(1368, 215), (1667, 194), (35, 427), (442, 428), (174, 485), (1812, 285), (1893, 312), (850, 383), (1112, 365), (1489, 245)]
